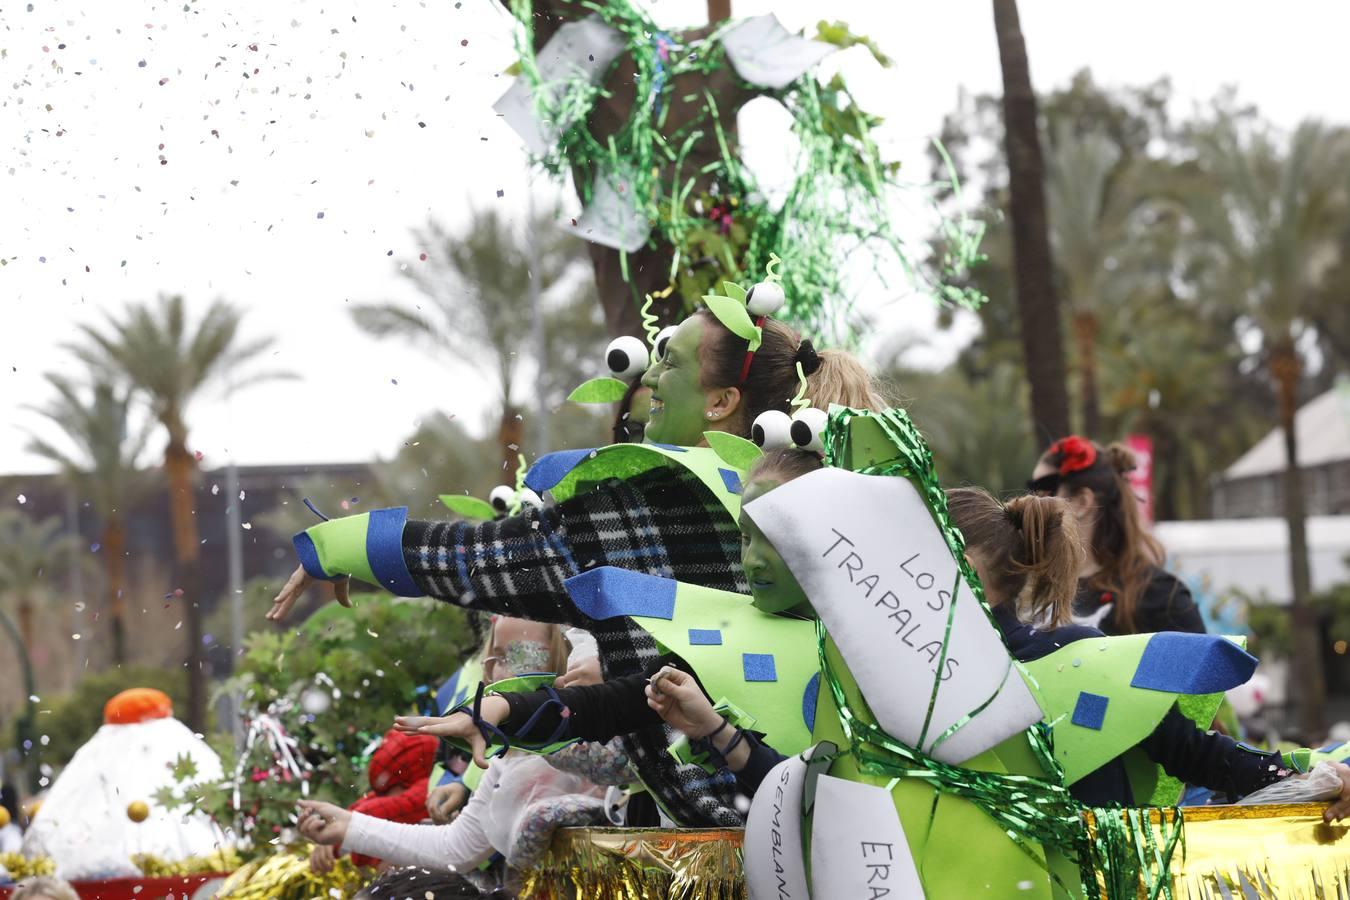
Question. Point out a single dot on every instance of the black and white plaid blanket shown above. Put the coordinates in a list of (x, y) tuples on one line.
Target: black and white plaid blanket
[(663, 522)]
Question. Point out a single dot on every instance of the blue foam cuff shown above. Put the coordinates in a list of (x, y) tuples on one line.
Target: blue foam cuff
[(606, 592), (1186, 663), (309, 557), (384, 551), (552, 468)]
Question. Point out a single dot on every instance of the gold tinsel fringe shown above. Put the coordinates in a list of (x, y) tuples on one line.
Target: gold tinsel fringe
[(623, 864), (225, 859), (1271, 852), (20, 867), (286, 876)]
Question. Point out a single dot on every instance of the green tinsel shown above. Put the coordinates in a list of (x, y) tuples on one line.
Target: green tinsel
[(1121, 854), (837, 203)]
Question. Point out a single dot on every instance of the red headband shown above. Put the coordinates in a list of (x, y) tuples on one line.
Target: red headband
[(750, 354)]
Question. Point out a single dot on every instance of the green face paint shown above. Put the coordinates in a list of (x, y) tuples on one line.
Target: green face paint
[(678, 398), (772, 584)]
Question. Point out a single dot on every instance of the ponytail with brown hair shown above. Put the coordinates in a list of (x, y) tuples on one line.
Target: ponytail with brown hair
[(1028, 549), (1122, 546)]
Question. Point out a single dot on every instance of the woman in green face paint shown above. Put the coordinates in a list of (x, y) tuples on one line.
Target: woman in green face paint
[(696, 382)]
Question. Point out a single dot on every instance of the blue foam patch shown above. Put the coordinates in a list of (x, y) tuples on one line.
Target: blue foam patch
[(1090, 712), (606, 592), (309, 556), (759, 667), (1192, 664), (552, 468), (673, 447), (705, 637), (731, 480), (1331, 748), (809, 697), (384, 551)]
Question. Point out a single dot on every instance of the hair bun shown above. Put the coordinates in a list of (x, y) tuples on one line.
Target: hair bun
[(1122, 458), (808, 357)]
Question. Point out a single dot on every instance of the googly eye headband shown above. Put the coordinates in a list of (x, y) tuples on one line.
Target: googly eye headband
[(743, 313), (772, 429), (627, 358), (503, 500)]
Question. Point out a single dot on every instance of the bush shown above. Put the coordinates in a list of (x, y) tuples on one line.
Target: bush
[(75, 716)]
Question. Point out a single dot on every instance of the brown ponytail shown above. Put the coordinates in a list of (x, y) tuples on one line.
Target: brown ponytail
[(1122, 546), (1029, 549)]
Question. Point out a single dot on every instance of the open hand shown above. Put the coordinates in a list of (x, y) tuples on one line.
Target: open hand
[(459, 726), (296, 586), (676, 696)]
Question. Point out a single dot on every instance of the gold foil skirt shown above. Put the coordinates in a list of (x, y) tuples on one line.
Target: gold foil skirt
[(634, 864), (286, 876)]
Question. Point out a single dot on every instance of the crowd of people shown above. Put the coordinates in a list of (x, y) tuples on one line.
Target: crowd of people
[(588, 690)]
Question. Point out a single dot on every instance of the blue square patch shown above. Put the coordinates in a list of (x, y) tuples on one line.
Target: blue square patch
[(705, 636), (759, 667), (1090, 711), (731, 480)]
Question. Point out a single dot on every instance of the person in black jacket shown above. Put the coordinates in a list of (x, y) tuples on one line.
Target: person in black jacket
[(1122, 587)]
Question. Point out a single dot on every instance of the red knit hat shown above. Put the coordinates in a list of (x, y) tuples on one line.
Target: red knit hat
[(400, 760)]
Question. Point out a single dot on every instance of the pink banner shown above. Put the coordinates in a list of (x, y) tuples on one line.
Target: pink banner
[(1141, 479)]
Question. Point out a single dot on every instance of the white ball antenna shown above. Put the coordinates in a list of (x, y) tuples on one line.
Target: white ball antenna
[(502, 497), (808, 429), (765, 299)]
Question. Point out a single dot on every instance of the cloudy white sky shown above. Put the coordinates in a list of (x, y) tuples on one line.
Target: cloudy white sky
[(192, 146)]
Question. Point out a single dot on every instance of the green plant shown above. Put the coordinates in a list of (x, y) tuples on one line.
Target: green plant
[(316, 700)]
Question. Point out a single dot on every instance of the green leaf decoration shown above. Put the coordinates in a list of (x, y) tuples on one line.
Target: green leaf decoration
[(734, 291), (599, 390), (184, 767), (733, 315), (468, 507), (838, 33), (733, 449)]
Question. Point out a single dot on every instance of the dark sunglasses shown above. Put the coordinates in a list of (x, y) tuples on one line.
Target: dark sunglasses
[(1046, 485)]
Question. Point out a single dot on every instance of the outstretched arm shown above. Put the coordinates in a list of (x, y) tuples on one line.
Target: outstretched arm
[(663, 522)]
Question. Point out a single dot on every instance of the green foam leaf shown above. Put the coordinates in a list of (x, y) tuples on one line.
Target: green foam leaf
[(733, 449), (733, 315), (734, 291), (468, 507), (599, 390)]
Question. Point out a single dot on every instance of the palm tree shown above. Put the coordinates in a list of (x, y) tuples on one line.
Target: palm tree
[(155, 350), (1273, 221), (31, 553), (102, 467), (1037, 301), (479, 287)]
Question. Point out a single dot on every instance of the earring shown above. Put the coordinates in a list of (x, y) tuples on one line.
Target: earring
[(711, 416)]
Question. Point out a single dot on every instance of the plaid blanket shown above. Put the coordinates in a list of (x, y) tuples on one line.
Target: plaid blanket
[(663, 522)]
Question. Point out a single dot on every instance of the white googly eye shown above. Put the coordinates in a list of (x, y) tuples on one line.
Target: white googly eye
[(501, 498), (530, 498), (772, 429), (765, 299), (662, 341), (627, 357), (808, 429)]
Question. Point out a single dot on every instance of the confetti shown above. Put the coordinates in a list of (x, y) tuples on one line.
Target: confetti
[(22, 499), (199, 456), (422, 257)]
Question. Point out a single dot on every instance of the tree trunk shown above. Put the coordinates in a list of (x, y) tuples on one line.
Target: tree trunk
[(180, 466), (1085, 334), (1309, 687), (1037, 302), (115, 566), (510, 437), (718, 11), (24, 608), (649, 267)]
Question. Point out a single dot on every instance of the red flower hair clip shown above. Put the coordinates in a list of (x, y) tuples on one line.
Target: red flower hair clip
[(1075, 454)]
